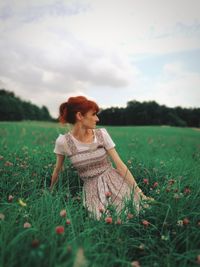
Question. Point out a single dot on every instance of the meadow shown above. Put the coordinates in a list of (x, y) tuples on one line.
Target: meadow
[(43, 228)]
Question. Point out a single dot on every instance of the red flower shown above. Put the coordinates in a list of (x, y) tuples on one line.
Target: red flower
[(187, 190), (108, 220), (10, 198), (145, 223), (119, 221), (27, 225), (135, 264), (129, 215), (63, 213), (171, 181), (186, 221), (145, 181), (68, 221), (108, 194), (60, 230), (155, 184), (8, 163)]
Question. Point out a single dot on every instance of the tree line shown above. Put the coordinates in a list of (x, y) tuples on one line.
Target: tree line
[(12, 108), (150, 113)]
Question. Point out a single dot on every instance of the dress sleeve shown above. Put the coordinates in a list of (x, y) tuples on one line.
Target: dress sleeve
[(107, 139), (59, 146)]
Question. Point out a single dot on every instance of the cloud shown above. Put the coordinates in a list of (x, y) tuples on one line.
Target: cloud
[(32, 11), (177, 86), (52, 49)]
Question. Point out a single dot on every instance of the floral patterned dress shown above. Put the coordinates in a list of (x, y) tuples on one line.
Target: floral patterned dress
[(102, 184)]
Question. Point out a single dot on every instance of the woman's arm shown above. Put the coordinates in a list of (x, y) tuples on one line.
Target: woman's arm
[(124, 171), (59, 164)]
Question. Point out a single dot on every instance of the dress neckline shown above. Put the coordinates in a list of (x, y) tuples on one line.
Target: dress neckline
[(94, 138)]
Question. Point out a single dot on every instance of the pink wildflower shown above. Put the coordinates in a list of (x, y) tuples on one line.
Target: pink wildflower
[(187, 190), (145, 223), (27, 225), (108, 220), (135, 264), (60, 230), (68, 221), (145, 181), (8, 163), (129, 215), (155, 184), (63, 213), (10, 198), (119, 221), (186, 221), (171, 181)]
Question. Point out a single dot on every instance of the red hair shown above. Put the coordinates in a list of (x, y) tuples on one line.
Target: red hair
[(68, 110)]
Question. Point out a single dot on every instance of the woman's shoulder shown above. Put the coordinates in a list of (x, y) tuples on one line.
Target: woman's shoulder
[(61, 139), (103, 131)]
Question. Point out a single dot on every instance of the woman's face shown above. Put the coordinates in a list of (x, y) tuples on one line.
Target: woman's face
[(90, 119)]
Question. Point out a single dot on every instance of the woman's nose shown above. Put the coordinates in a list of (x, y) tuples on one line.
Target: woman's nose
[(97, 119)]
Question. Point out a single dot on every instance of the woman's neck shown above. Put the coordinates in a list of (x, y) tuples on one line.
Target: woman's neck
[(82, 134)]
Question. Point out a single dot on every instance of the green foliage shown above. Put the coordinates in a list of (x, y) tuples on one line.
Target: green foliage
[(150, 113), (168, 157), (13, 108)]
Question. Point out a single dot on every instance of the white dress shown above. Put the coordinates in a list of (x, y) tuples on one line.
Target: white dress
[(103, 184)]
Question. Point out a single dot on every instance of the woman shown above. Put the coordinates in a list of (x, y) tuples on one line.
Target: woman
[(90, 151)]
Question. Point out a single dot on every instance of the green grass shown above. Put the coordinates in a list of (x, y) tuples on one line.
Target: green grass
[(159, 154)]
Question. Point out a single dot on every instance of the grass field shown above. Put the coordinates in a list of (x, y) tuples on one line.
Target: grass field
[(165, 162)]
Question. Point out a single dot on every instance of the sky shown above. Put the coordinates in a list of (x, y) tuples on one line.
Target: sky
[(111, 51)]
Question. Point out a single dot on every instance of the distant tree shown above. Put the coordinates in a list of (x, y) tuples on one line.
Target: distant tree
[(150, 113), (12, 108)]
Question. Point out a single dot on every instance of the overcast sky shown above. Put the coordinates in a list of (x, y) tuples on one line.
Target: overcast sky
[(111, 51)]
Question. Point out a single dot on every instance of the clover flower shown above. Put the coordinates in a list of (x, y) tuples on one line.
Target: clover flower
[(8, 163), (108, 220), (27, 225), (145, 223), (186, 221), (60, 229), (63, 213), (135, 264), (10, 198), (146, 181), (155, 184), (180, 222), (187, 190), (118, 221), (130, 216)]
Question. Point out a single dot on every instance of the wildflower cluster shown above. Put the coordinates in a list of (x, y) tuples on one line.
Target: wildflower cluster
[(60, 229)]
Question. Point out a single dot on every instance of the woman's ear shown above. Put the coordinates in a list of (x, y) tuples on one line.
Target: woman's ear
[(79, 116)]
